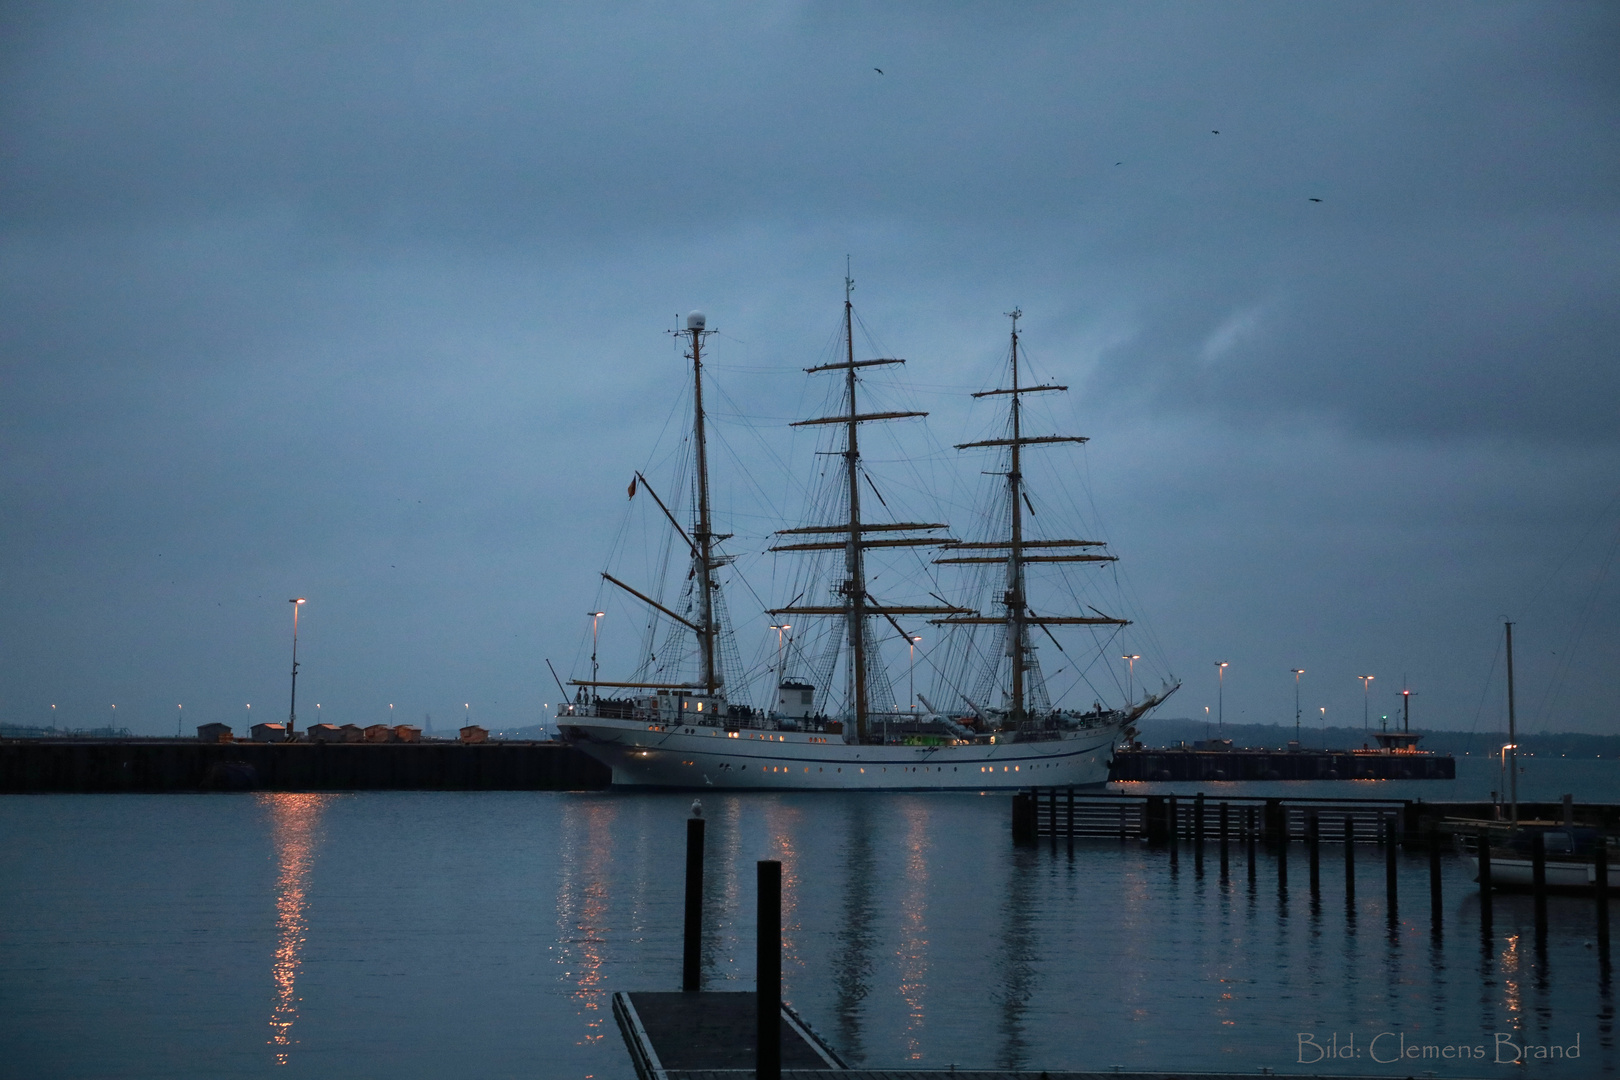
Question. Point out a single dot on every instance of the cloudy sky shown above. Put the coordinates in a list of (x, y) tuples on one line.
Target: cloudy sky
[(367, 303)]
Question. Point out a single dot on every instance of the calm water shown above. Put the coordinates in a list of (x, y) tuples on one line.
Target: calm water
[(448, 934)]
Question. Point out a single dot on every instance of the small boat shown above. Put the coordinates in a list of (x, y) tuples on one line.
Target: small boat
[(999, 729), (1568, 859)]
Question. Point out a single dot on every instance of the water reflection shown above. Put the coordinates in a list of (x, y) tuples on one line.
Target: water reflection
[(914, 926), (1017, 960), (582, 908), (294, 823), (852, 963)]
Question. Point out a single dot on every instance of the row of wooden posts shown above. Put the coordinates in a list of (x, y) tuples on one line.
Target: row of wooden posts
[(1162, 822)]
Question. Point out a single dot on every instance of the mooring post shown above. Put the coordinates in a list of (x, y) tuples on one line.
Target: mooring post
[(1071, 818), (1198, 834), (1313, 833), (1249, 831), (1051, 803), (1538, 877), (1600, 888), (1224, 853), (1174, 829), (1389, 865), (1484, 850), (1024, 812), (1282, 851), (1349, 857), (691, 954), (1436, 906), (768, 973)]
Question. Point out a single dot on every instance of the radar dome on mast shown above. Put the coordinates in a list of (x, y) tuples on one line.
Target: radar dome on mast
[(695, 321)]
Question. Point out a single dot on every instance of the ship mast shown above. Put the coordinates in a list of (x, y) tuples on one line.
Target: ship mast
[(1018, 617), (705, 532), (857, 604)]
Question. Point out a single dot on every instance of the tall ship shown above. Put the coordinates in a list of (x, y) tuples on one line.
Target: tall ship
[(989, 720)]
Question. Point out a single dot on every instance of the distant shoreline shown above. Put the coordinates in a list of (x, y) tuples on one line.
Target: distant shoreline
[(1170, 731)]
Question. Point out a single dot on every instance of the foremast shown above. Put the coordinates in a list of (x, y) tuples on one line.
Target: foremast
[(857, 604), (1017, 616)]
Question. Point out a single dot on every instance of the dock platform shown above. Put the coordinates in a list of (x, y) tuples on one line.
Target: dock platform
[(676, 1035)]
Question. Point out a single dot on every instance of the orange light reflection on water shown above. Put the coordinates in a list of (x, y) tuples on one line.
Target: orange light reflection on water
[(582, 907), (294, 820), (913, 953)]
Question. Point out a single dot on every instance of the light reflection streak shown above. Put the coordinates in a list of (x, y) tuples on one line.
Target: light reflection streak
[(913, 952), (780, 823), (582, 907), (294, 821), (1508, 965)]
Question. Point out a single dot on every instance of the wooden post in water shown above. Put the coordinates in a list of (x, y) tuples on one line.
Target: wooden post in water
[(1051, 803), (1389, 865), (1538, 877), (768, 973), (1198, 834), (1349, 857), (1600, 888), (691, 953), (1436, 904), (1313, 834), (1174, 830), (1071, 818), (1280, 830), (1224, 853), (1248, 832), (1484, 850)]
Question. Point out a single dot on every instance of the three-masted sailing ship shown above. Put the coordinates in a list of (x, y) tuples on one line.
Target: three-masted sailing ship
[(996, 729)]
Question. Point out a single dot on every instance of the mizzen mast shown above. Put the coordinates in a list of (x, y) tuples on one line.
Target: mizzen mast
[(695, 329), (1018, 616)]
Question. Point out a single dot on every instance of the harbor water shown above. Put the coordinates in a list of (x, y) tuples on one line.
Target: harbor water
[(433, 934)]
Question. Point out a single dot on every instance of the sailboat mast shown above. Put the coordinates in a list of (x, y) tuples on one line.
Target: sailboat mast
[(705, 533), (855, 585), (1513, 736), (1015, 555)]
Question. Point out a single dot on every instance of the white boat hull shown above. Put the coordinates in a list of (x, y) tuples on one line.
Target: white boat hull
[(650, 755), (1519, 874)]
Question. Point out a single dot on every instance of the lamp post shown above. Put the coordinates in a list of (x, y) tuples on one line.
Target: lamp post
[(1206, 723), (1366, 681), (1130, 675), (292, 710), (179, 720), (596, 621), (780, 629), (1298, 671), (1324, 727), (1220, 692), (912, 673)]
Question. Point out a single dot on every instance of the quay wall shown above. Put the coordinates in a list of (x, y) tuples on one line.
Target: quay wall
[(162, 765), (1210, 765)]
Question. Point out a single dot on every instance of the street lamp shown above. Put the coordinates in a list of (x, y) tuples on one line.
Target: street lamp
[(1366, 681), (912, 641), (179, 717), (292, 711), (1324, 727), (1220, 691), (1130, 674), (1298, 671), (596, 620), (779, 631)]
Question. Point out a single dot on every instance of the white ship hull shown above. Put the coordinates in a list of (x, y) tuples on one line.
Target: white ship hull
[(1510, 873), (651, 755)]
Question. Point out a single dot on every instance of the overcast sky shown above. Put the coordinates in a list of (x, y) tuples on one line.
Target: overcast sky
[(365, 302)]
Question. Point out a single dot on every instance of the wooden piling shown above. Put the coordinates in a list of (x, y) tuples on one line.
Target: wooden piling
[(1224, 850), (1436, 905), (1538, 877), (691, 953), (1349, 859), (1600, 887), (1071, 818), (1282, 855), (1484, 850), (768, 973), (1249, 837), (1174, 830), (1198, 834), (1313, 834), (1389, 866), (1051, 804)]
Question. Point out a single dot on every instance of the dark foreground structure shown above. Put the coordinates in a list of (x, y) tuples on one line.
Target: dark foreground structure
[(163, 765)]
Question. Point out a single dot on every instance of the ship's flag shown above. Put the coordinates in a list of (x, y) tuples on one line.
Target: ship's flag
[(633, 480)]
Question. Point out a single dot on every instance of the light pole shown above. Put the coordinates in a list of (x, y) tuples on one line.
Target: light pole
[(1130, 675), (179, 720), (292, 710), (1324, 727), (53, 717), (912, 641), (1366, 681), (317, 714), (1206, 723), (596, 621), (1220, 692), (779, 631), (1298, 671), (468, 714)]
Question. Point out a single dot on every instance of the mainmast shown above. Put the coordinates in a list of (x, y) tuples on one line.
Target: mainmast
[(705, 533), (857, 604), (1017, 615)]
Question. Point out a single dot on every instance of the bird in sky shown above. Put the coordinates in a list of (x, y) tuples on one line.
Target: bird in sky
[(1314, 199), (878, 70)]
